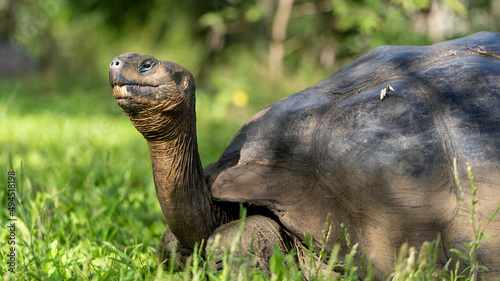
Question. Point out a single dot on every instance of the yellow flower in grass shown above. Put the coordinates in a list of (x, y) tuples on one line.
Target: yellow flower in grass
[(240, 98)]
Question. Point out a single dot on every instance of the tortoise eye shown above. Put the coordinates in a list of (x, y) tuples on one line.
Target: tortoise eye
[(147, 65)]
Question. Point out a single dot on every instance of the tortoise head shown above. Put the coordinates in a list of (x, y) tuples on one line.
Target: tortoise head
[(155, 94)]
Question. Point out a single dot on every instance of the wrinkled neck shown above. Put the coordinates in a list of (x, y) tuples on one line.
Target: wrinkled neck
[(157, 125), (184, 197), (177, 168)]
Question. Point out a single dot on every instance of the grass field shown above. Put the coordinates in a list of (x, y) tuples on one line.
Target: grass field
[(86, 206)]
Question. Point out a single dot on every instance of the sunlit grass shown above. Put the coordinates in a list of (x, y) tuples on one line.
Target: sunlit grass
[(86, 204)]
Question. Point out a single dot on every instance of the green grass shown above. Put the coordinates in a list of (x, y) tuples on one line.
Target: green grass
[(86, 206)]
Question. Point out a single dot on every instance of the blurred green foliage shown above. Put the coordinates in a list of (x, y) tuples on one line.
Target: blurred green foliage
[(85, 177), (211, 32), (227, 44)]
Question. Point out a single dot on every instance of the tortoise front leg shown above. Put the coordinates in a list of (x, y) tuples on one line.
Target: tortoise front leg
[(254, 242), (170, 248)]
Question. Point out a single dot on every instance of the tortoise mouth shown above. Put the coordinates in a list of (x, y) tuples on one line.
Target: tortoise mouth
[(138, 93), (121, 92)]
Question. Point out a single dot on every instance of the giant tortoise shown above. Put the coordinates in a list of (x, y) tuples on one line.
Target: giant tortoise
[(372, 146)]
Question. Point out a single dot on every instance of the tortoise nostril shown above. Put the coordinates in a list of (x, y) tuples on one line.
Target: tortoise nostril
[(115, 62)]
